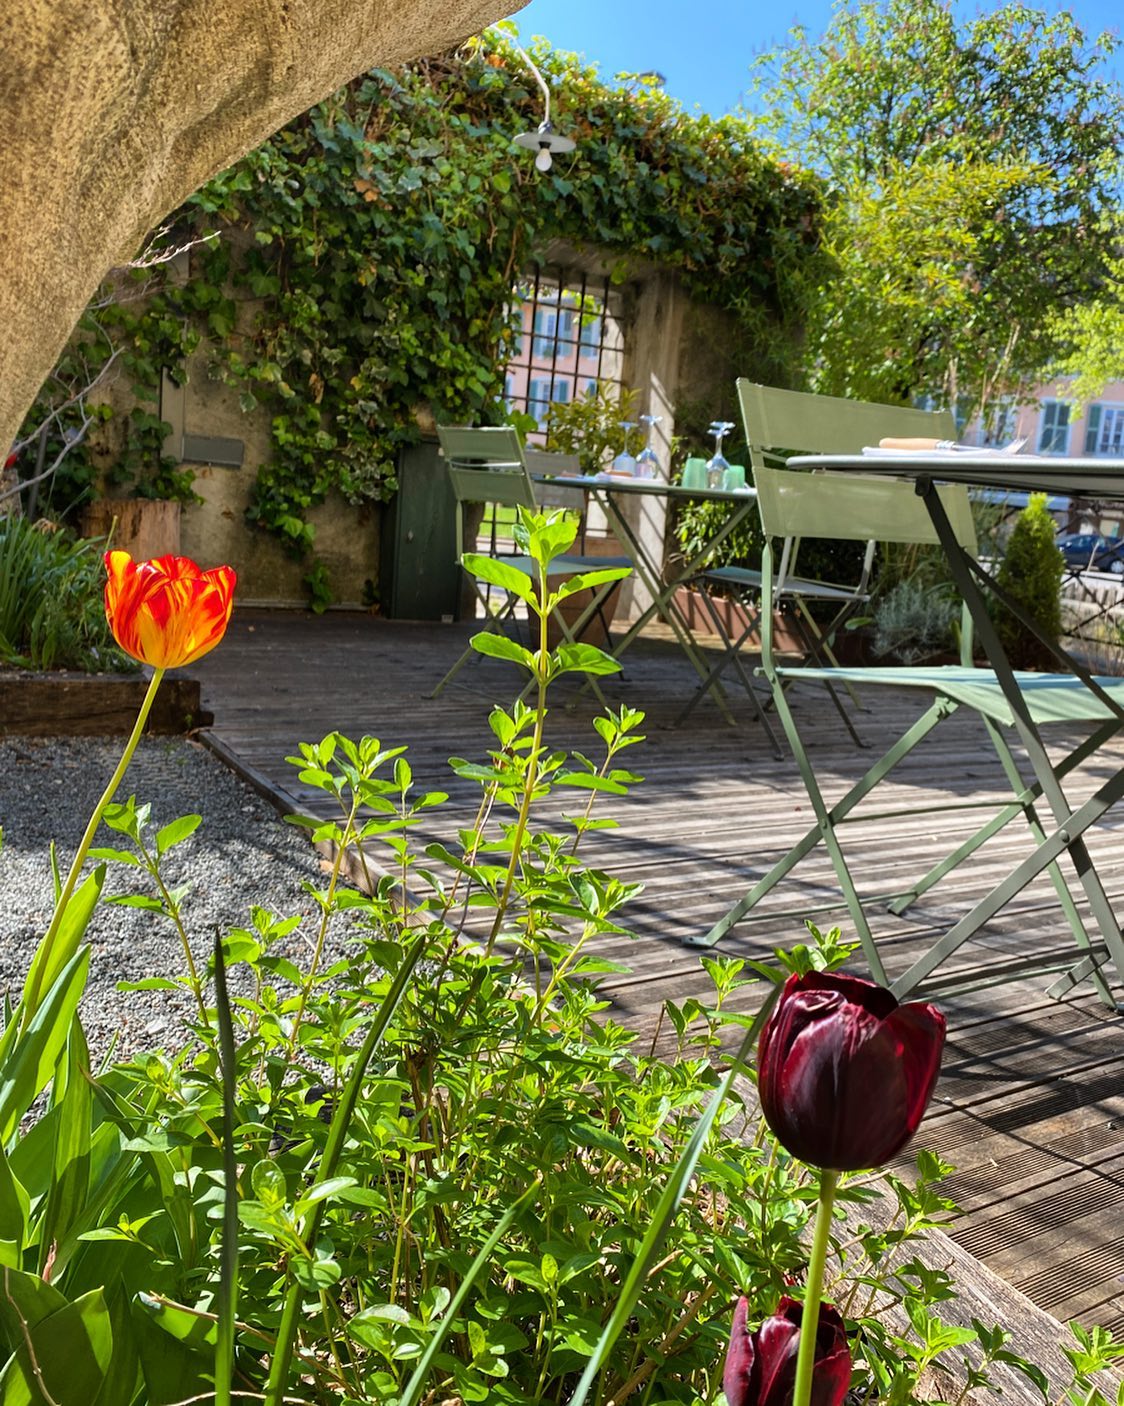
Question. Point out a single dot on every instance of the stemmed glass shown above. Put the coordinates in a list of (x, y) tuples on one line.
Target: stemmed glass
[(647, 463), (624, 463), (717, 466)]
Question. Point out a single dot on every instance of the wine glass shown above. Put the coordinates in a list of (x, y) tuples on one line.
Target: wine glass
[(624, 463), (717, 466), (647, 462)]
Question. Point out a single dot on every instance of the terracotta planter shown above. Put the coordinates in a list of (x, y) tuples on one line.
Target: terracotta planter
[(143, 527), (735, 618)]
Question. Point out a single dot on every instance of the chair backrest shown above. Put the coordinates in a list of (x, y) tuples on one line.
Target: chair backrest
[(777, 421), (486, 465), (556, 495), (854, 507)]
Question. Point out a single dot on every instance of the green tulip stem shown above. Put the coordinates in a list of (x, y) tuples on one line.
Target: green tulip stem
[(813, 1293), (42, 957)]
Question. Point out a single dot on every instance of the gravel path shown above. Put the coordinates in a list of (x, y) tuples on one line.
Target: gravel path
[(242, 855)]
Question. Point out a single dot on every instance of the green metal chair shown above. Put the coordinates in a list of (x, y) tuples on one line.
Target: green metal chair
[(853, 507), (777, 424), (487, 465)]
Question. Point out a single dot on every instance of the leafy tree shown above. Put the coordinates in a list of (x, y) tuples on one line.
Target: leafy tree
[(974, 168), (1093, 336)]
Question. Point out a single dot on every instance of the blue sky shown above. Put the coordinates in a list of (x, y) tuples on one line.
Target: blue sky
[(704, 49)]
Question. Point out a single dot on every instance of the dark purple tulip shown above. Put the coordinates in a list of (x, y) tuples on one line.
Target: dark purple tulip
[(761, 1366), (845, 1073)]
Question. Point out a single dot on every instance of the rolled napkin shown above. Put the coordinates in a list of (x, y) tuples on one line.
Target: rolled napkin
[(890, 442)]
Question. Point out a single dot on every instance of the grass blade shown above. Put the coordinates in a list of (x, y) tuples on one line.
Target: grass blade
[(433, 1347), (227, 1306)]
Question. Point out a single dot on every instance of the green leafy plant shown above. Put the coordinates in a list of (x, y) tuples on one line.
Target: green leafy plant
[(972, 164), (1030, 574), (423, 1162), (913, 621), (51, 594), (592, 426)]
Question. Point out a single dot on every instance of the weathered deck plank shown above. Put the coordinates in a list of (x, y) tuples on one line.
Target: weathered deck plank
[(1031, 1103)]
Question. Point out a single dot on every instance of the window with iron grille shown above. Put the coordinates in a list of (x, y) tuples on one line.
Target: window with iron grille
[(570, 340)]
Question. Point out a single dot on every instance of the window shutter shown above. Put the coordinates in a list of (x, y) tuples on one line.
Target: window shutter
[(1092, 427)]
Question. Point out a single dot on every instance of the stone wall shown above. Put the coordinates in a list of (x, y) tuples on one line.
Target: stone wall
[(347, 537)]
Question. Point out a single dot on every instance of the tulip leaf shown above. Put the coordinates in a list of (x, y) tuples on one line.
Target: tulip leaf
[(46, 965), (72, 1101), (30, 1062), (673, 1193), (68, 1351)]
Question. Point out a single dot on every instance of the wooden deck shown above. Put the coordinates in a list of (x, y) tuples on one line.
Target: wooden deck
[(1030, 1107)]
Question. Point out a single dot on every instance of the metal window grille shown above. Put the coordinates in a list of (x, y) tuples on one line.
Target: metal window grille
[(570, 340)]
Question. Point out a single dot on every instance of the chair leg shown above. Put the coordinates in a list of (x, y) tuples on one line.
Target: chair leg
[(828, 819), (1003, 818), (1057, 878), (730, 655), (490, 625), (1052, 848), (813, 647)]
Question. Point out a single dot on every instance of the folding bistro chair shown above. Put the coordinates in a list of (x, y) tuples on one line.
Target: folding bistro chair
[(850, 506), (487, 466), (777, 424)]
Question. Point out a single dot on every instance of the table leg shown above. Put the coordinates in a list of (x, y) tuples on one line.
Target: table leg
[(663, 592)]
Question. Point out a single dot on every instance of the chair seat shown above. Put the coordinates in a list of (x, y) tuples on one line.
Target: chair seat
[(793, 585), (1050, 698)]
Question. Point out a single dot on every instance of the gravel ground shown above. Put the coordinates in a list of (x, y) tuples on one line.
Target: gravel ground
[(242, 855)]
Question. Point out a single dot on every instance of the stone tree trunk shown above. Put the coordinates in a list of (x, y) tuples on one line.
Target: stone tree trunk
[(112, 112)]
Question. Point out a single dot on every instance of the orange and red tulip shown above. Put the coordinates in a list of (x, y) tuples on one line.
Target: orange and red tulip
[(167, 612)]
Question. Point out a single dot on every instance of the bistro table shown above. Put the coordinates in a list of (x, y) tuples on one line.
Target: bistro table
[(610, 492), (1084, 477)]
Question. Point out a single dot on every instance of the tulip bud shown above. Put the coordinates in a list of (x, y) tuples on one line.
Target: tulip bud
[(167, 612), (844, 1072), (761, 1366)]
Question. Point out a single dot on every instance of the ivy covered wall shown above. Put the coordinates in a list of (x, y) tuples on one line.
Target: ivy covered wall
[(361, 277)]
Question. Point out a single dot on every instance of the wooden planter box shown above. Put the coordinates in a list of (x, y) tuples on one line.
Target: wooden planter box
[(143, 527), (94, 705)]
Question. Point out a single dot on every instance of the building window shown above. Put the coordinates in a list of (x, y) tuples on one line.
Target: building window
[(1104, 430), (999, 423), (570, 341), (538, 399), (1053, 432)]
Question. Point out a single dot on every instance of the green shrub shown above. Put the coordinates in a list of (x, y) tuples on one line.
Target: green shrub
[(52, 614), (592, 426), (1031, 575), (913, 621)]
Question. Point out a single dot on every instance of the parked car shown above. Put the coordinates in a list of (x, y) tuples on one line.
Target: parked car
[(1090, 551)]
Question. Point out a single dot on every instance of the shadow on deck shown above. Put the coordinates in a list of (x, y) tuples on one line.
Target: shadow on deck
[(1030, 1107)]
